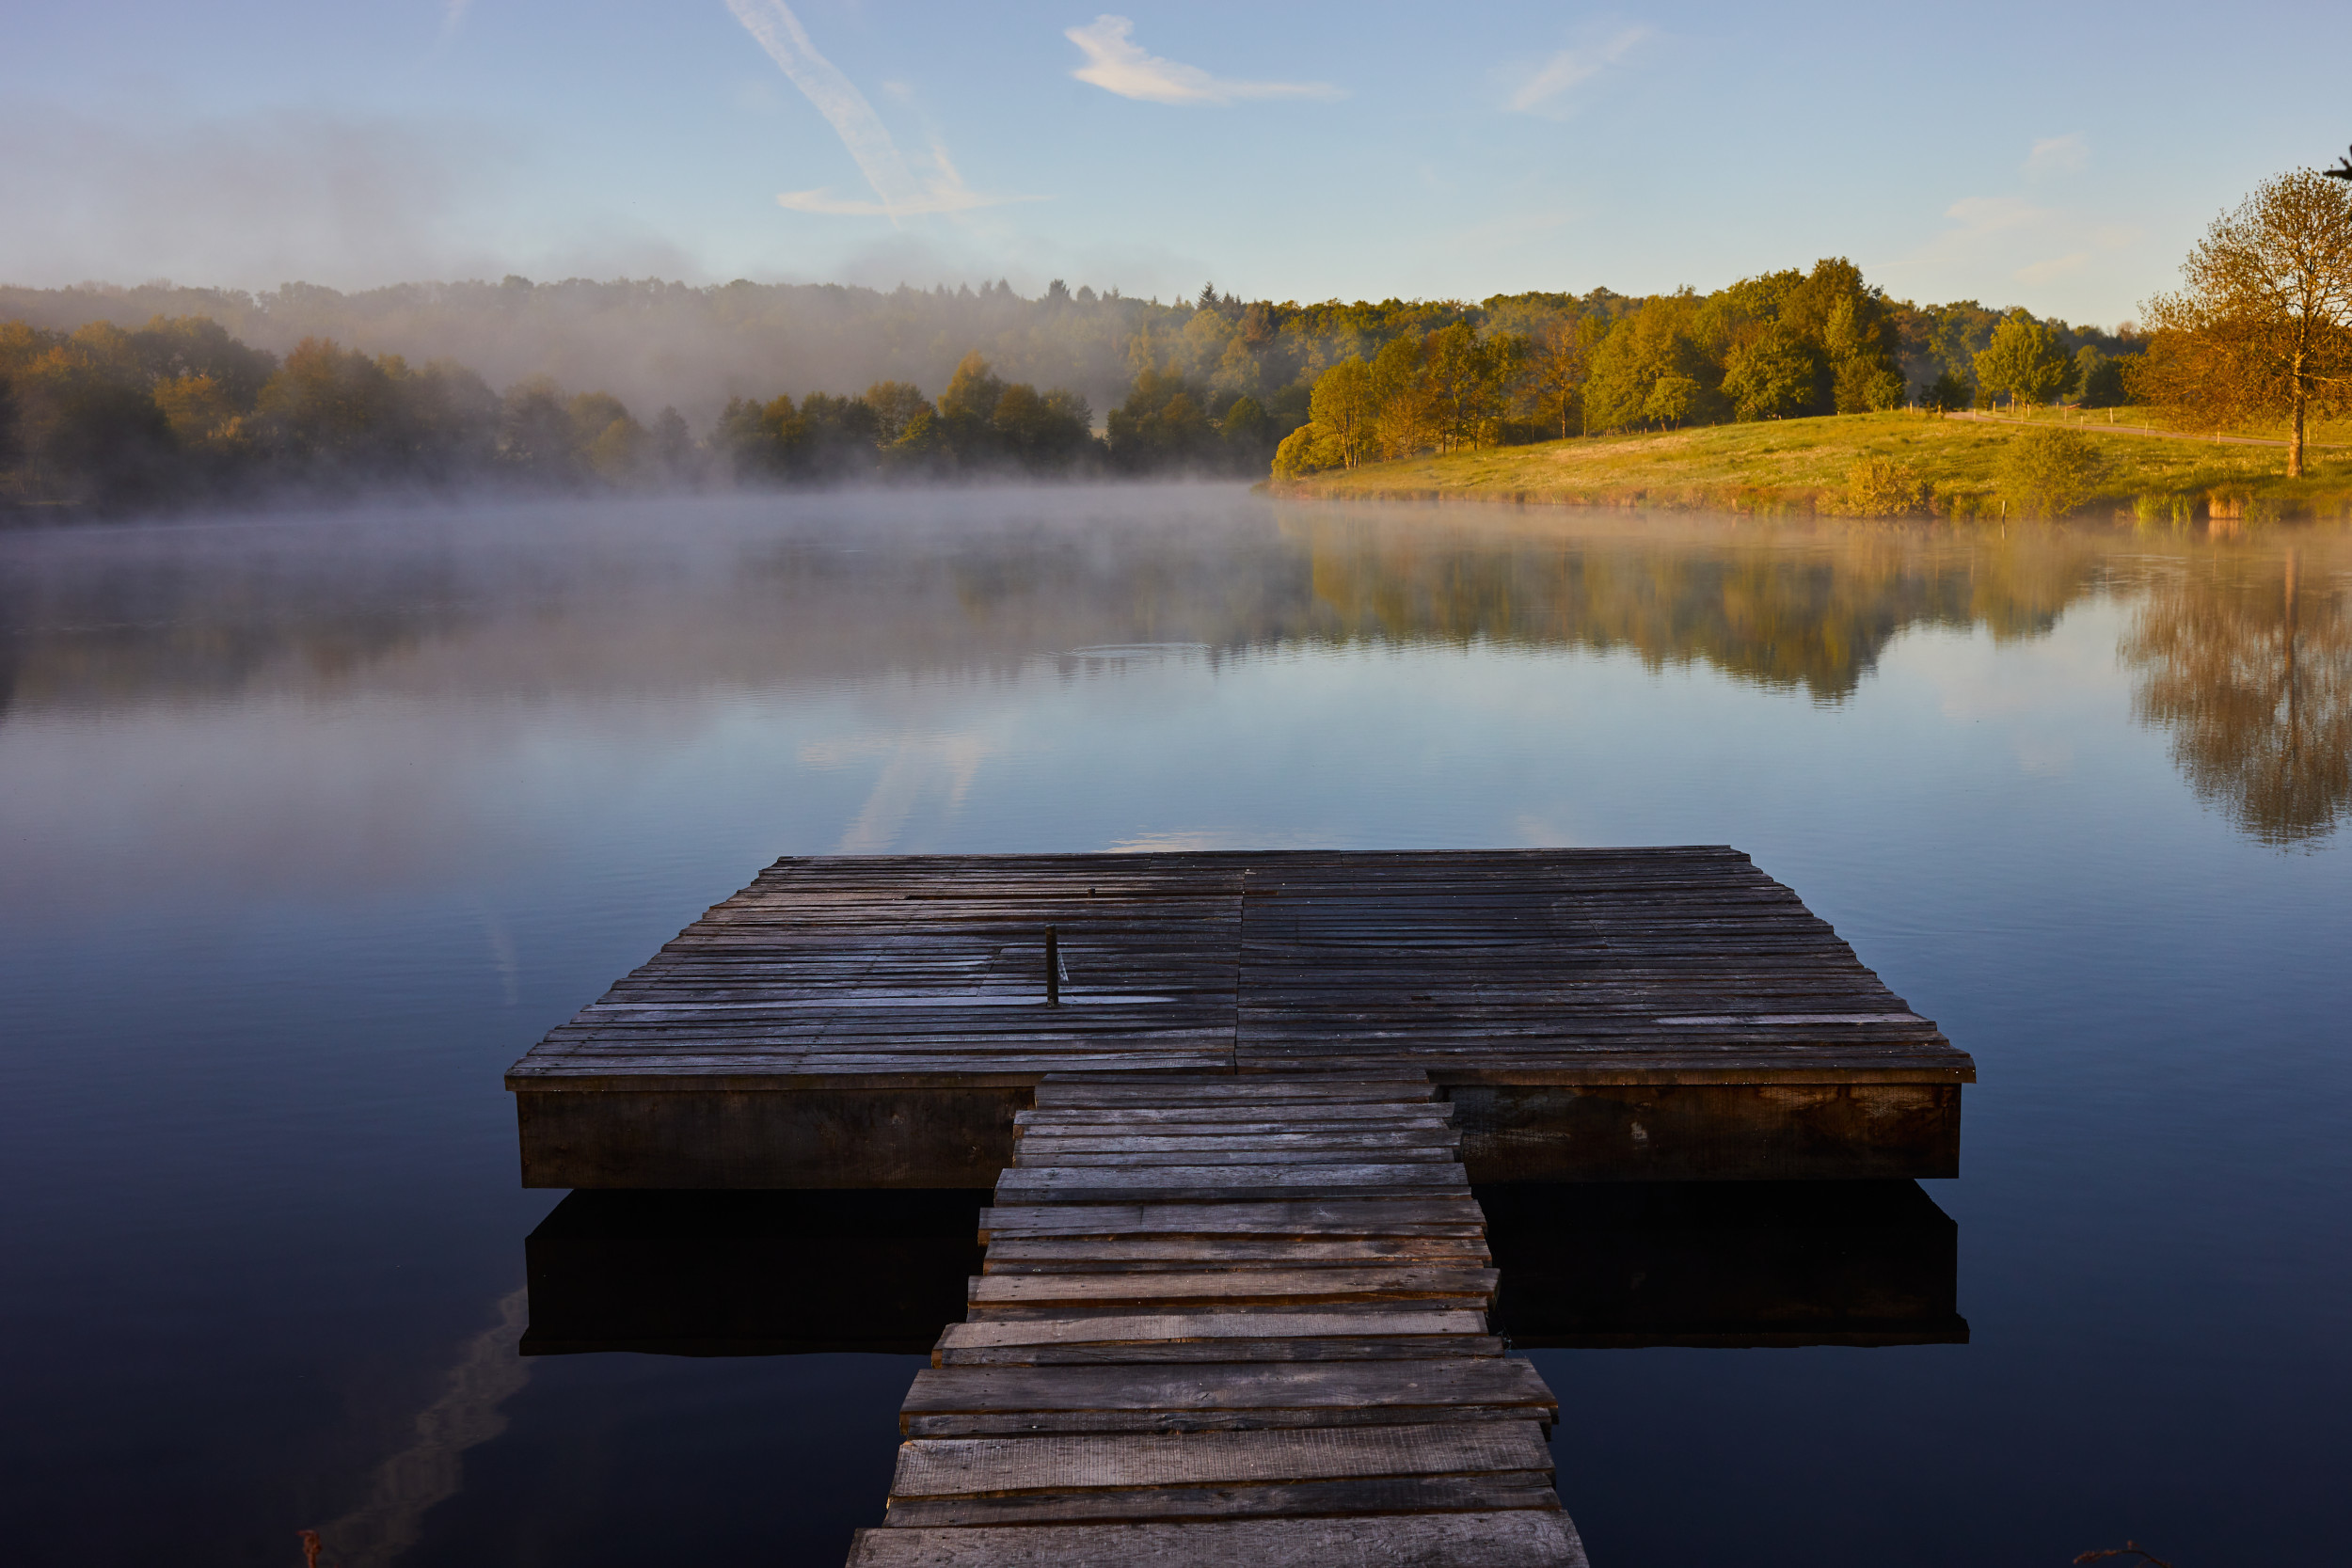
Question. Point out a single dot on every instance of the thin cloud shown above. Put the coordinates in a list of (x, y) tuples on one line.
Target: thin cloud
[(2065, 155), (1540, 94), (823, 200), (897, 190), (2056, 267), (1115, 64)]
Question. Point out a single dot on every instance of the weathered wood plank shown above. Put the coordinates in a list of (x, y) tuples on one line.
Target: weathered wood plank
[(1318, 1347), (1048, 1153), (1239, 1183), (1370, 1496), (1394, 1282), (1168, 1327), (1303, 1217), (972, 1466), (1379, 1282), (1054, 1142), (1517, 1538), (1015, 1255), (984, 1401)]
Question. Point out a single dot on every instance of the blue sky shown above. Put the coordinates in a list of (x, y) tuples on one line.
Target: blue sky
[(2062, 157)]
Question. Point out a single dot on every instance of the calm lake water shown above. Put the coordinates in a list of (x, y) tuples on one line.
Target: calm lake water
[(309, 826)]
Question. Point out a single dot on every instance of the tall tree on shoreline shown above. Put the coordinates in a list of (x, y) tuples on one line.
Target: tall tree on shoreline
[(2262, 327)]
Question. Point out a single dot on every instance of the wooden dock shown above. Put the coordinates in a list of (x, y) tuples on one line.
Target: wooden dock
[(1658, 1014), (1223, 1322)]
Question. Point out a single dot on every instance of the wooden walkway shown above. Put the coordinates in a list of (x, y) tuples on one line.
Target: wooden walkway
[(1228, 1322), (1660, 1013)]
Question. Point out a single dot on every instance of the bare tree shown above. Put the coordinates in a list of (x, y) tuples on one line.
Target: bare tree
[(2262, 325)]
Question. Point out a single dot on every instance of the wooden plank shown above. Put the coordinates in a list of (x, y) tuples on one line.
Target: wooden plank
[(950, 1402), (1173, 1327), (1394, 1282), (1242, 1119), (1514, 1538), (973, 1465), (1237, 1183), (1017, 1255), (1316, 1347), (1372, 1496), (1046, 1142), (1304, 1218), (1048, 1153)]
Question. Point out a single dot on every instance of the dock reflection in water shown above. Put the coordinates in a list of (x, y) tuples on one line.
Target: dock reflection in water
[(751, 1273), (1597, 1264)]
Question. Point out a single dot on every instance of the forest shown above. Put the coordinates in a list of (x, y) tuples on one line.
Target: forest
[(213, 396)]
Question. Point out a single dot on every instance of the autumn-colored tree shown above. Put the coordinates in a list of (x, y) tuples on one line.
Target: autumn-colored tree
[(971, 391), (1558, 361), (1344, 409), (895, 404), (2262, 327)]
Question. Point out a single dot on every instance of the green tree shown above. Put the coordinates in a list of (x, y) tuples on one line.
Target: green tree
[(1770, 376), (1672, 400), (2098, 377), (1657, 342), (1946, 392), (2026, 360)]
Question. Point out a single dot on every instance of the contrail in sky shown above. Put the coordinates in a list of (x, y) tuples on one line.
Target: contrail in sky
[(861, 130)]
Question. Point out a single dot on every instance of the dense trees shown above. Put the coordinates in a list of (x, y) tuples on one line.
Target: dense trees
[(2026, 360), (2262, 327), (1782, 345), (110, 414)]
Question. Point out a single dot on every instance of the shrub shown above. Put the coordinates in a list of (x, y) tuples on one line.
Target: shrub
[(1305, 450), (2051, 471), (1881, 487)]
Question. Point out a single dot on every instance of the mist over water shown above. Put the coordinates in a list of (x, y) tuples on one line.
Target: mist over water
[(311, 825)]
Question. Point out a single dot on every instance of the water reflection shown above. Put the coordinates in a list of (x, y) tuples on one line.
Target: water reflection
[(2249, 664), (1780, 607), (1725, 1264), (1632, 1263), (750, 1273), (2243, 652)]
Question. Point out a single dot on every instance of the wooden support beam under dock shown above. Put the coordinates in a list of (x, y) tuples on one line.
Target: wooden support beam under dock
[(1225, 1321), (1651, 1014)]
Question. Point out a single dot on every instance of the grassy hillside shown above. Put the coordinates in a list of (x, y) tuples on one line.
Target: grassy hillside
[(1804, 466)]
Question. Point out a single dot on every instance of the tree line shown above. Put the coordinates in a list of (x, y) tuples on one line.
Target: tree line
[(1783, 345), (180, 407), (179, 412)]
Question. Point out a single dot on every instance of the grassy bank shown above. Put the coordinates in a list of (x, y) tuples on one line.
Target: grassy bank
[(1804, 467)]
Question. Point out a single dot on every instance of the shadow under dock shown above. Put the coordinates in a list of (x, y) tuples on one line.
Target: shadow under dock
[(1635, 1264)]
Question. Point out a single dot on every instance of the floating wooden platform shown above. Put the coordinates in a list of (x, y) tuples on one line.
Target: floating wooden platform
[(1228, 1322), (1657, 1014)]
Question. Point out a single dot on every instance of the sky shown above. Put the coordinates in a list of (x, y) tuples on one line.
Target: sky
[(2059, 157)]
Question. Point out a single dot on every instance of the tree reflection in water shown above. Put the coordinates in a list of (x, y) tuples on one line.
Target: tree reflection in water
[(2250, 666)]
